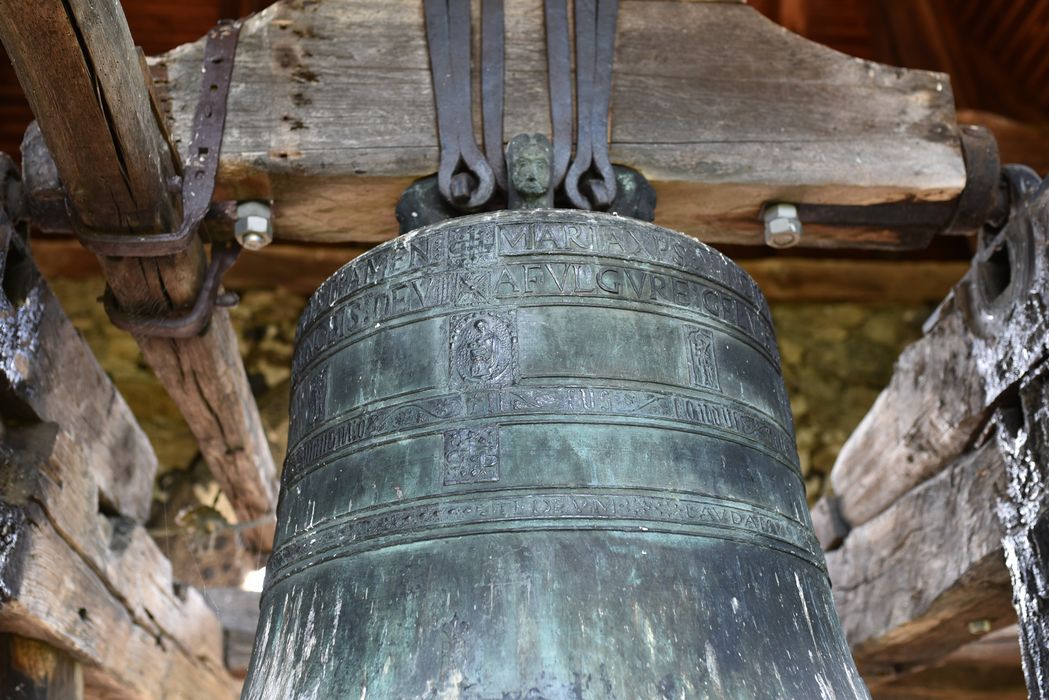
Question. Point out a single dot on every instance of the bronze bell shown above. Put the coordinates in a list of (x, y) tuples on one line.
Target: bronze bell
[(544, 454)]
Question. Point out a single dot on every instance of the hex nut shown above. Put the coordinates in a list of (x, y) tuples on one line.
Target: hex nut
[(254, 227), (782, 225)]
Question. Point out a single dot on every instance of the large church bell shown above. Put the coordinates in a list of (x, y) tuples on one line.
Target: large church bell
[(541, 454)]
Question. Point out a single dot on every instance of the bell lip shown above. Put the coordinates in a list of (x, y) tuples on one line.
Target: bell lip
[(315, 308)]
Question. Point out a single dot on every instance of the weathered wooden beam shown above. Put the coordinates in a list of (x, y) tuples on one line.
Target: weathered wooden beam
[(32, 670), (908, 582), (978, 377), (332, 116), (48, 372), (300, 269), (76, 572), (917, 425), (1011, 316), (990, 331), (81, 74)]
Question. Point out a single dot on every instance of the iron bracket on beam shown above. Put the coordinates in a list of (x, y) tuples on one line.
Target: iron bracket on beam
[(984, 199), (197, 188)]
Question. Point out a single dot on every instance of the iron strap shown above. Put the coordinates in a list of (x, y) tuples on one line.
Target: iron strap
[(590, 182), (559, 75), (982, 200), (464, 177), (492, 86), (194, 321), (201, 167), (198, 186)]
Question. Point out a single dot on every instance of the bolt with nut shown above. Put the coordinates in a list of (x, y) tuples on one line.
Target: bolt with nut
[(782, 225), (254, 227)]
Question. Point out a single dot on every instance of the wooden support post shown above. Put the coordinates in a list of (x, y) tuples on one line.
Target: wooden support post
[(80, 71), (32, 670), (1023, 509), (908, 583), (1013, 355)]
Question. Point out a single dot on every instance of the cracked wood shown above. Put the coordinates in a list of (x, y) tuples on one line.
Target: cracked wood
[(77, 570), (47, 373), (908, 582)]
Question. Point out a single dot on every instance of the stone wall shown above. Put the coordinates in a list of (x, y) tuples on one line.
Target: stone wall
[(836, 358)]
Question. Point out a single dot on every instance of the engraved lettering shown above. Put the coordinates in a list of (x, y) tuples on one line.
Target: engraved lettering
[(560, 279), (659, 285), (584, 279), (603, 280), (506, 278), (533, 275), (547, 237), (579, 237), (513, 237)]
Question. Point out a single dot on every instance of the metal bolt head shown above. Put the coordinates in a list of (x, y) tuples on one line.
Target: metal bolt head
[(254, 227), (782, 225)]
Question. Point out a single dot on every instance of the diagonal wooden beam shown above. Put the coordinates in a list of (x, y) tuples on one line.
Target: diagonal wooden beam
[(78, 67)]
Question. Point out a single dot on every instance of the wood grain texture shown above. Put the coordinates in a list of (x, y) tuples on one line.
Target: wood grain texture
[(331, 115), (70, 606), (77, 63), (76, 571), (908, 582), (978, 347), (922, 420), (48, 372)]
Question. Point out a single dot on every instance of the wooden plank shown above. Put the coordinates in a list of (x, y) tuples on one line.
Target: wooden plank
[(923, 419), (908, 582), (75, 572), (998, 648), (63, 602), (32, 670), (978, 376), (75, 62), (300, 268), (331, 116), (47, 369), (78, 67), (978, 346)]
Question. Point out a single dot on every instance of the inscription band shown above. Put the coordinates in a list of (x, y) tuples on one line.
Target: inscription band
[(588, 509), (539, 233), (360, 426), (547, 279)]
